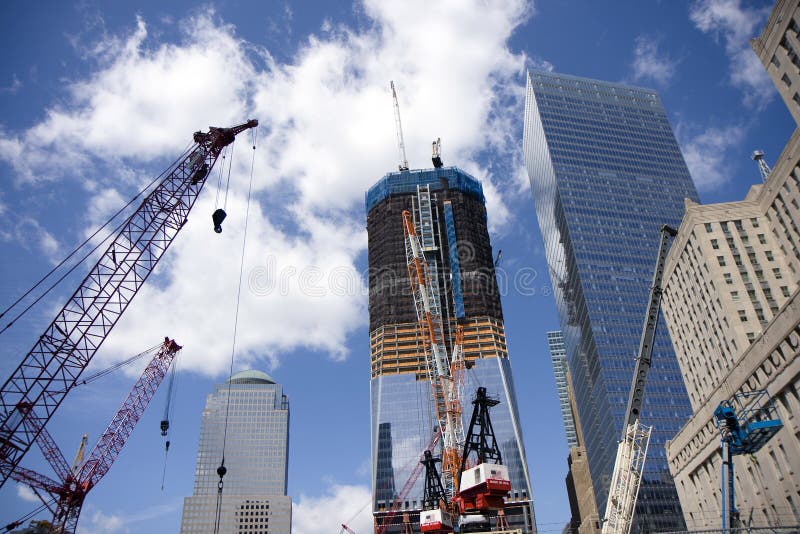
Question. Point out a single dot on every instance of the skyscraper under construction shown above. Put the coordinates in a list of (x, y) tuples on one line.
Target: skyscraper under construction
[(448, 207)]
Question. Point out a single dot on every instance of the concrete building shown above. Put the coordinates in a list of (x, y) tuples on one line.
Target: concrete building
[(732, 307), (256, 448), (778, 48), (606, 172), (459, 256), (558, 356)]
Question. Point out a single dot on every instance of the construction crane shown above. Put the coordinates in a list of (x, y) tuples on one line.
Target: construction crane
[(69, 491), (38, 386), (763, 168), (440, 371), (399, 129), (483, 488), (435, 517), (746, 423), (436, 156), (632, 448)]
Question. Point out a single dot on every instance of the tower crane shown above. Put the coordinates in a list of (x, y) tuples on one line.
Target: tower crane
[(71, 487), (399, 128), (746, 423), (38, 386), (632, 448), (445, 387)]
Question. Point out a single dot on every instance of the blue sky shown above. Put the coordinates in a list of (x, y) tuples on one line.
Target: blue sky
[(97, 97)]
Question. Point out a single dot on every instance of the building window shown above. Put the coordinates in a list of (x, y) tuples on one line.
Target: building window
[(728, 278), (738, 224), (768, 254), (785, 291), (785, 79), (754, 222), (762, 239), (721, 260), (777, 272), (775, 61), (715, 244), (796, 99), (735, 296), (751, 337), (710, 228), (743, 316)]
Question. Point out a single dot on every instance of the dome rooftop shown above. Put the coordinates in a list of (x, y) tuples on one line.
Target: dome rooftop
[(251, 377)]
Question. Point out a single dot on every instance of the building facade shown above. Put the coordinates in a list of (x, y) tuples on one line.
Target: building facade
[(732, 307), (778, 48), (459, 260), (606, 172), (558, 355), (256, 447)]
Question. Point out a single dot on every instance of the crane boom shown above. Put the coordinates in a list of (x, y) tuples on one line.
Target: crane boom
[(399, 129), (72, 487), (56, 361), (632, 449)]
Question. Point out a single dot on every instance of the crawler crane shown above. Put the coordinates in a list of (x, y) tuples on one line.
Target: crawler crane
[(38, 386), (632, 449), (69, 491)]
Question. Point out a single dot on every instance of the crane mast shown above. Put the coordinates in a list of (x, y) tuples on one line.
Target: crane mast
[(445, 388), (632, 449), (38, 386), (399, 129), (72, 486)]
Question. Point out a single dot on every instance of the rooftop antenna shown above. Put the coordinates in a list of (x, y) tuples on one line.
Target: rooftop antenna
[(758, 157), (401, 146)]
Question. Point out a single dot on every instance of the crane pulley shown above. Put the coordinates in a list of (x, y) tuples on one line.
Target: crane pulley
[(59, 356)]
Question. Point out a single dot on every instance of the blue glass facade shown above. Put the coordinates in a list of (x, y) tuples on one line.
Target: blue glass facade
[(403, 418), (558, 355), (606, 172)]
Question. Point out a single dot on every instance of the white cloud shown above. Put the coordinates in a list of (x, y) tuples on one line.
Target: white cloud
[(708, 151), (325, 514), (736, 25), (326, 135), (26, 494), (29, 234), (99, 523), (650, 64)]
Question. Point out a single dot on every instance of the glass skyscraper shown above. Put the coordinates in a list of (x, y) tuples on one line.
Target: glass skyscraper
[(459, 259), (606, 172), (558, 355), (256, 447)]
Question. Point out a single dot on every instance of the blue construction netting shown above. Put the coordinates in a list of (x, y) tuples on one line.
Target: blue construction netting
[(407, 182), (455, 266)]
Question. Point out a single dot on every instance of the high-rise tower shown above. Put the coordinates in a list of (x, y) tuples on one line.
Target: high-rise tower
[(558, 355), (456, 240), (606, 172), (256, 412)]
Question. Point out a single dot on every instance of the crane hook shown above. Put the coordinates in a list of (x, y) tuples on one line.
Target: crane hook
[(218, 216)]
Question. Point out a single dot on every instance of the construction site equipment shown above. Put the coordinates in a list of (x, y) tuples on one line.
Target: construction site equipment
[(434, 518), (401, 147), (436, 156), (483, 488), (763, 168), (69, 491), (632, 448), (38, 386), (423, 276), (746, 423)]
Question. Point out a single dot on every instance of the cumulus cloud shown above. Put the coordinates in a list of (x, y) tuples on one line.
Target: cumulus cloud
[(650, 64), (99, 523), (708, 151), (26, 494), (326, 135), (735, 25), (29, 234), (340, 503)]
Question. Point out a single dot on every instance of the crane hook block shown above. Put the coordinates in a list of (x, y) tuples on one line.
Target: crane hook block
[(164, 427), (218, 216)]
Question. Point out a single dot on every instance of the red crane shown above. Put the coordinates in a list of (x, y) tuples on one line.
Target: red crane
[(40, 383), (69, 491)]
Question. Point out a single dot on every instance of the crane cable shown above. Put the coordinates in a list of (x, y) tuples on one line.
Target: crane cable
[(83, 244), (221, 470), (168, 411)]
